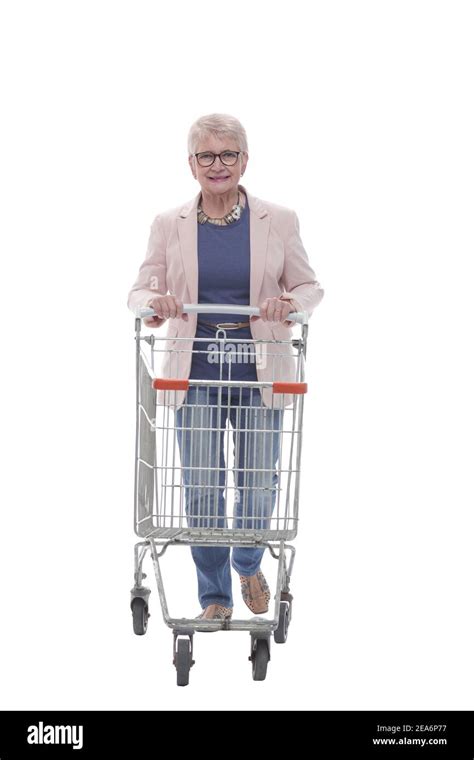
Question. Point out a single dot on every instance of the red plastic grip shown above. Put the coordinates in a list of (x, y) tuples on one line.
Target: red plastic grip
[(170, 384), (290, 387)]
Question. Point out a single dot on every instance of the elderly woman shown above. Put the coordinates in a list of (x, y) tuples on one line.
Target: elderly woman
[(225, 246)]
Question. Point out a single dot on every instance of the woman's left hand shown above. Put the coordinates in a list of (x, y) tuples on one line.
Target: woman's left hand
[(274, 310)]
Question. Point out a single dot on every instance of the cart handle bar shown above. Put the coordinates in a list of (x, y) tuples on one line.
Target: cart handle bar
[(175, 384), (219, 308)]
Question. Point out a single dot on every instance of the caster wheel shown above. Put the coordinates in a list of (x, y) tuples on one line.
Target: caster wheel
[(260, 657), (183, 662), (281, 633), (140, 616)]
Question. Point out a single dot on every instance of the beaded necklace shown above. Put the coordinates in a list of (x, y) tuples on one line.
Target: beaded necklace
[(232, 216)]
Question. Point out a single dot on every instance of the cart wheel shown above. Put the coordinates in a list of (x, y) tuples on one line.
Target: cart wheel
[(281, 633), (183, 662), (140, 616), (260, 657)]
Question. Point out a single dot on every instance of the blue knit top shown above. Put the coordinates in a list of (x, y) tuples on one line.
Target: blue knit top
[(224, 277)]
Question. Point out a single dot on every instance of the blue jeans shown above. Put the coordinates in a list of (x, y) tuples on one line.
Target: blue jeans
[(256, 447)]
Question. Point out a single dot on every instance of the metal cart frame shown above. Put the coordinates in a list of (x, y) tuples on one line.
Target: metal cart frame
[(159, 528)]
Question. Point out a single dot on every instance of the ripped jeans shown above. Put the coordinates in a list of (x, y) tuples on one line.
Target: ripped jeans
[(256, 438)]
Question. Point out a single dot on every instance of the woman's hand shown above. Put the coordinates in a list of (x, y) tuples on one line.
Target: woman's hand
[(274, 310), (166, 307)]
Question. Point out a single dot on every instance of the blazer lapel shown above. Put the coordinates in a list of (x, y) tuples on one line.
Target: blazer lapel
[(187, 234), (259, 229)]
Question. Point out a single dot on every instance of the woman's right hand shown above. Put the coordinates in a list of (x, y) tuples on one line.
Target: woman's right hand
[(166, 307)]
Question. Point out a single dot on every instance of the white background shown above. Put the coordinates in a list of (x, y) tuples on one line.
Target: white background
[(360, 117)]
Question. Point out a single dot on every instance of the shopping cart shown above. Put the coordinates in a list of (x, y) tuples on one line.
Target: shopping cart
[(264, 499)]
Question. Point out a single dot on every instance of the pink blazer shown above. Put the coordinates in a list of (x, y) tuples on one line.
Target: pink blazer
[(279, 266)]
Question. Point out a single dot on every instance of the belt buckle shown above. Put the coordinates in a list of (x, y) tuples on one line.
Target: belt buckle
[(228, 325)]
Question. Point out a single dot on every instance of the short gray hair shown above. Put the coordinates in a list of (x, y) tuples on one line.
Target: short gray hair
[(219, 125)]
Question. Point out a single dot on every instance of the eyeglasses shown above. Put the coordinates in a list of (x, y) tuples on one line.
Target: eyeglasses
[(228, 157)]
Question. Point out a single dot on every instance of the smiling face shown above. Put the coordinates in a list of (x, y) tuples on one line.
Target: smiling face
[(218, 178)]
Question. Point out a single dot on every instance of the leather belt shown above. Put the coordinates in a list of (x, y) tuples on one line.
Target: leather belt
[(225, 325)]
